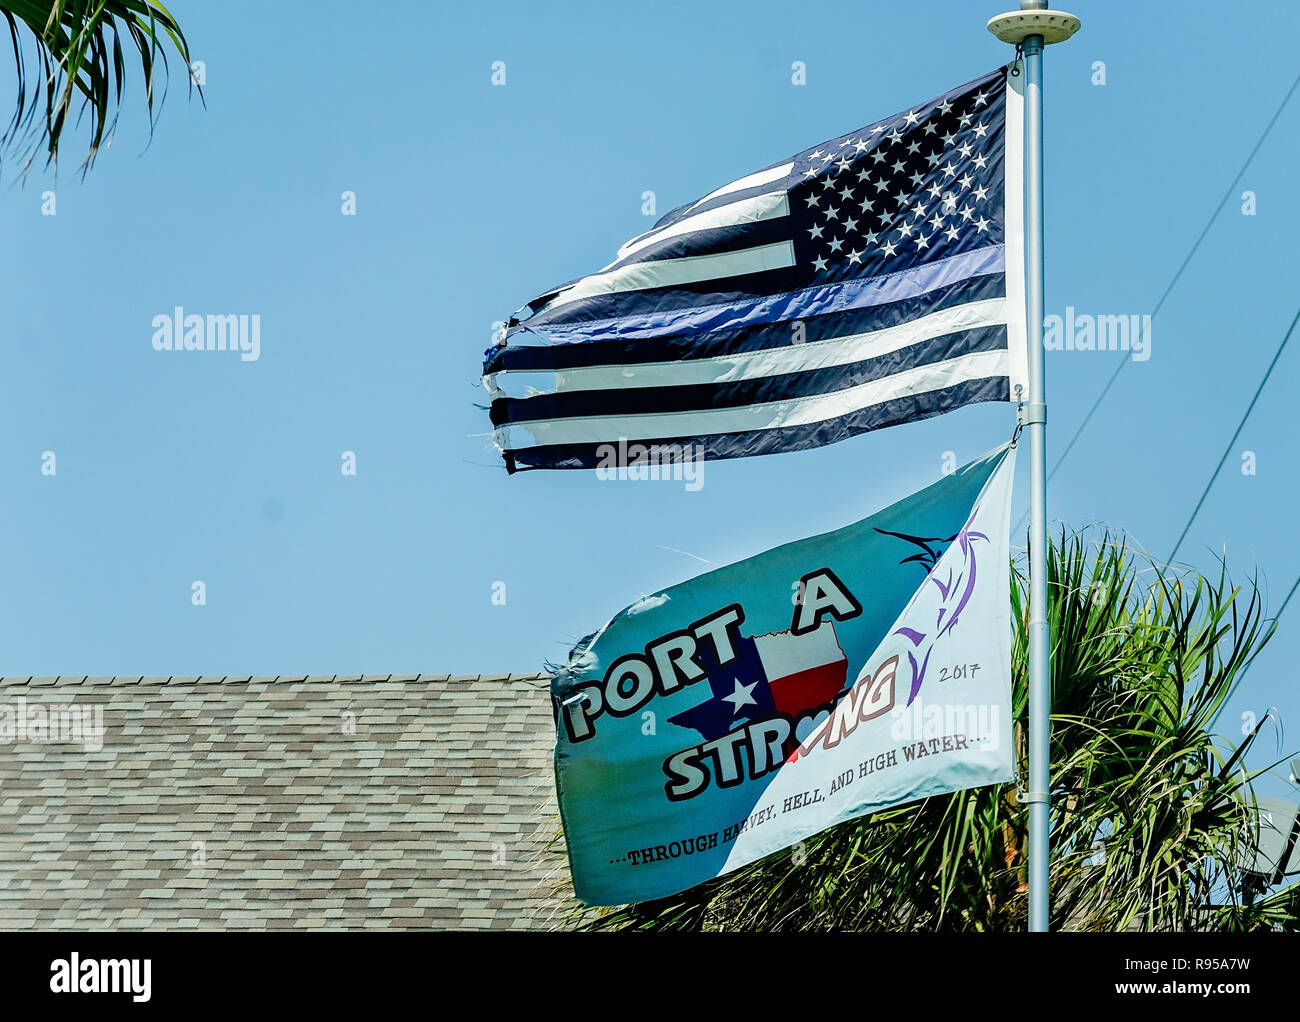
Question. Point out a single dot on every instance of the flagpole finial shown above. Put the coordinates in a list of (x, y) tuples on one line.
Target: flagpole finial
[(1017, 26)]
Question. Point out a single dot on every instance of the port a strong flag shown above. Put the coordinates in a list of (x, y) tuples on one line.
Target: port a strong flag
[(740, 712)]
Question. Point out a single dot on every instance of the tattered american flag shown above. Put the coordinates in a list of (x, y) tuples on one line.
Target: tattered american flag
[(875, 279)]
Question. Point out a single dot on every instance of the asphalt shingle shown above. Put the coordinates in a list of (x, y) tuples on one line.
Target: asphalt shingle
[(400, 801)]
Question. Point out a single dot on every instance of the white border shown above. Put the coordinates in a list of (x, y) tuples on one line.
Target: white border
[(1013, 192)]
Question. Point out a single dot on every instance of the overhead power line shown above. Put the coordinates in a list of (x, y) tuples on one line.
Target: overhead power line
[(1236, 433), (1192, 252)]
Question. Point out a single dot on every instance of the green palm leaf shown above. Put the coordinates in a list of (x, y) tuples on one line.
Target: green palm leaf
[(79, 67)]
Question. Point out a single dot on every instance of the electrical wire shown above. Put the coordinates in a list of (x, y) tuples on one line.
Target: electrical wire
[(1196, 245), (1236, 433)]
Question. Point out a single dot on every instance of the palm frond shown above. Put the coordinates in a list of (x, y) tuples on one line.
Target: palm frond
[(79, 65)]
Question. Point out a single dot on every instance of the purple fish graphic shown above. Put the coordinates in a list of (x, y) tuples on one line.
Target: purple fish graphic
[(955, 585)]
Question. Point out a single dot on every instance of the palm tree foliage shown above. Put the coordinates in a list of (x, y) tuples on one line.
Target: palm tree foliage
[(80, 66), (1149, 806)]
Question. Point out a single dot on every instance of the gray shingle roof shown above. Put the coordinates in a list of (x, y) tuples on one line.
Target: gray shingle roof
[(243, 803)]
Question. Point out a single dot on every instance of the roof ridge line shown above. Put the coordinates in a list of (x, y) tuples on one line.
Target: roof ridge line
[(118, 681)]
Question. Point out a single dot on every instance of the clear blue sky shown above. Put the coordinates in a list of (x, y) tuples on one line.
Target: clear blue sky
[(472, 199)]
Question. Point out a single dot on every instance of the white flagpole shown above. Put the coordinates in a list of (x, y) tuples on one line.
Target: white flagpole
[(1033, 27)]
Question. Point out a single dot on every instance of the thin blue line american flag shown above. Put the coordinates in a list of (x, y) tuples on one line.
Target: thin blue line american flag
[(875, 279)]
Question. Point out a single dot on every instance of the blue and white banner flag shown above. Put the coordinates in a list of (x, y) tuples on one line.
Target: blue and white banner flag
[(875, 279), (745, 710)]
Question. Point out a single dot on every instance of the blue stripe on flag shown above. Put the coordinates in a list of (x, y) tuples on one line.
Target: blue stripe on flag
[(800, 304), (754, 336)]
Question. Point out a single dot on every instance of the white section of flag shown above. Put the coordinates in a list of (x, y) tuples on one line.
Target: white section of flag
[(754, 180), (675, 272), (768, 206), (1014, 239), (768, 415)]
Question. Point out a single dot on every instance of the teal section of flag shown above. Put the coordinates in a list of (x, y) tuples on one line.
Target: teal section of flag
[(744, 710)]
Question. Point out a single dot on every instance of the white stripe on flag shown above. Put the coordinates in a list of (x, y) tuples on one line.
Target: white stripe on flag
[(761, 177), (799, 411), (671, 272), (748, 365), (1014, 238), (767, 206)]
